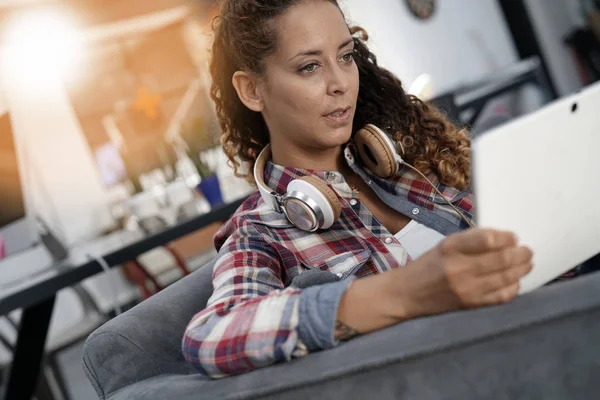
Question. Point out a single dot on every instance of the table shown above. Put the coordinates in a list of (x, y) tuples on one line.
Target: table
[(476, 95), (36, 295)]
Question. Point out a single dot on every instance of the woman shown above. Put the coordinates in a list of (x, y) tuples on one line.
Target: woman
[(292, 75)]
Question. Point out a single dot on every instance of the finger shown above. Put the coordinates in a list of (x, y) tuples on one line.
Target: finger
[(501, 296), (477, 241), (500, 280), (499, 261)]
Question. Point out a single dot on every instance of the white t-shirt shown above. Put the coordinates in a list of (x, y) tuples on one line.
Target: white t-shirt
[(418, 239)]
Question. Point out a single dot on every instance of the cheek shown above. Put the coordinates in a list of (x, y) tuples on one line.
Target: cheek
[(312, 96), (302, 95), (355, 80)]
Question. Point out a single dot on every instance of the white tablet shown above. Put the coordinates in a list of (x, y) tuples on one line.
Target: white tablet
[(539, 176)]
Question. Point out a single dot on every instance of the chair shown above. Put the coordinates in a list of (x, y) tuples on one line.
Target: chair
[(2, 248), (591, 265), (157, 269), (59, 341), (148, 279)]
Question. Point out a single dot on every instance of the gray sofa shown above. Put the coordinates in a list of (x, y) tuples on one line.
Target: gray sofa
[(545, 345)]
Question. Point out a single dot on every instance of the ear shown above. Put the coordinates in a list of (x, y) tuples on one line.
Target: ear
[(247, 87)]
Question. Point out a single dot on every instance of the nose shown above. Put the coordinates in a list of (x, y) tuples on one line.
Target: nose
[(338, 81)]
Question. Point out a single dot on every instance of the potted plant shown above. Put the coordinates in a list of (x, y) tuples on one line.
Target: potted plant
[(199, 137)]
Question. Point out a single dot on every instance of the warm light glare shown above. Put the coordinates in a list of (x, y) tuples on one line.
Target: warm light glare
[(41, 43), (422, 87)]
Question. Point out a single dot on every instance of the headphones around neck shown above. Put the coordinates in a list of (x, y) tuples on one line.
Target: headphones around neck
[(310, 204)]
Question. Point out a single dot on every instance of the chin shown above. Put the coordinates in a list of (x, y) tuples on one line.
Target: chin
[(338, 137)]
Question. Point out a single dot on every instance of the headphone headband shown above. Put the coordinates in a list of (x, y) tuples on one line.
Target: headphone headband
[(268, 195)]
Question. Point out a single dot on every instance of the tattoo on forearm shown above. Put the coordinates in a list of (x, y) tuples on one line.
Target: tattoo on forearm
[(344, 332)]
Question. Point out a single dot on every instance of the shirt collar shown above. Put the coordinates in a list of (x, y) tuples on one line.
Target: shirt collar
[(278, 177)]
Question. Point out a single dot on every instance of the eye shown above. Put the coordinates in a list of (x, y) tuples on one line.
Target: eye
[(347, 58), (310, 68)]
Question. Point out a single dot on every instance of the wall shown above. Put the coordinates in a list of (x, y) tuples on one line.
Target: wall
[(68, 192), (464, 40), (552, 21), (452, 48), (64, 185)]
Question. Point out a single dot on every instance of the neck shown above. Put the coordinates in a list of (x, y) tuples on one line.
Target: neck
[(330, 159)]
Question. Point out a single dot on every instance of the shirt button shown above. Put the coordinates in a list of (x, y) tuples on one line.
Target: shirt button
[(353, 202), (389, 241), (416, 211), (330, 176)]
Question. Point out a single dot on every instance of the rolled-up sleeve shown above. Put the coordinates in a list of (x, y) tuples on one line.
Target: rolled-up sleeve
[(318, 313), (252, 320)]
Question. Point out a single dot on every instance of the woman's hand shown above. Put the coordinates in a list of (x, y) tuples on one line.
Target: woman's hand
[(476, 267)]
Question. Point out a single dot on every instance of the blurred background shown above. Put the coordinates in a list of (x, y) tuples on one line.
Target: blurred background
[(107, 129)]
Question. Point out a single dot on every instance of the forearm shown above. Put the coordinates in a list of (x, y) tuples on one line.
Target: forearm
[(474, 268), (235, 336), (370, 304)]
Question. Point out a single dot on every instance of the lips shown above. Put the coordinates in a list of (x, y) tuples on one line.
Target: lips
[(339, 117), (338, 112)]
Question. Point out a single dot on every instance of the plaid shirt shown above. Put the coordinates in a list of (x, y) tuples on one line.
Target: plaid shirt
[(257, 315)]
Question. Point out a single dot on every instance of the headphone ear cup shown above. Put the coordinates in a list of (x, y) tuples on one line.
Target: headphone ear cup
[(376, 152), (332, 199)]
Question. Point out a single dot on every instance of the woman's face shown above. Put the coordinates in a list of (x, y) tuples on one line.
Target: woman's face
[(310, 87)]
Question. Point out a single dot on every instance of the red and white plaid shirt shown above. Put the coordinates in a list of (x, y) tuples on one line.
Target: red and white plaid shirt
[(257, 316)]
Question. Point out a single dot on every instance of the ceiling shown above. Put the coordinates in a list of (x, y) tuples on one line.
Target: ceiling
[(93, 13), (90, 12), (21, 3)]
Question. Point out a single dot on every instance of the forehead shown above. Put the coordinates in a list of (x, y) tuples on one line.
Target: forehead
[(314, 25)]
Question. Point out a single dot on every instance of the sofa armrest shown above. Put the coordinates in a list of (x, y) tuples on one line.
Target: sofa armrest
[(543, 345), (145, 341)]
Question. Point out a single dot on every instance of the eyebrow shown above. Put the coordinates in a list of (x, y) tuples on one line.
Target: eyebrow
[(319, 52)]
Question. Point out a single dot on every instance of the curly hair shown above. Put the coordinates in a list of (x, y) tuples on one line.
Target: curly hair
[(245, 33)]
